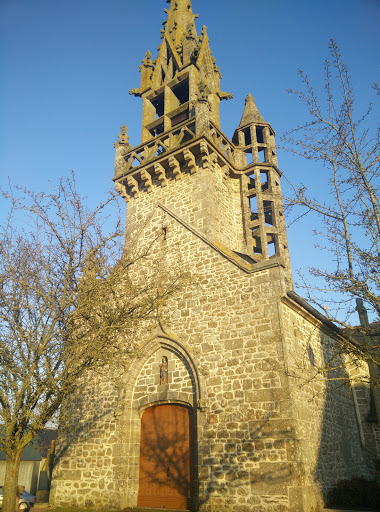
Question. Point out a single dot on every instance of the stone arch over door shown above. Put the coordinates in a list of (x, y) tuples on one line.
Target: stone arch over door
[(143, 389)]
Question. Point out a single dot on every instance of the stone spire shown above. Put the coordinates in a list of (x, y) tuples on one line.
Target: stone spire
[(251, 113), (180, 22), (180, 42), (170, 83)]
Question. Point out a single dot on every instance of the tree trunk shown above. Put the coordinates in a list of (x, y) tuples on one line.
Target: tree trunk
[(10, 499)]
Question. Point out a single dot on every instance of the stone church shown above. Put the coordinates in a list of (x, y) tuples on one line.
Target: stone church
[(209, 414)]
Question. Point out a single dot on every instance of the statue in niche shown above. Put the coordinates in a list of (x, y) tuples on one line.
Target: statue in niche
[(164, 370)]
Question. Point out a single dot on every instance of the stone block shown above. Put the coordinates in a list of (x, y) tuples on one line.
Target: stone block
[(271, 478)]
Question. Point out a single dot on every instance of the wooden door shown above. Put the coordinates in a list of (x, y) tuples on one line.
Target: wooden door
[(166, 457)]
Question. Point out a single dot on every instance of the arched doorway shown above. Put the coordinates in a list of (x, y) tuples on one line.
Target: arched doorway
[(166, 457)]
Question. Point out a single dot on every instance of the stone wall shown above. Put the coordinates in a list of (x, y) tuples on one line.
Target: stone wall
[(84, 474), (263, 442), (207, 200), (331, 433), (376, 430)]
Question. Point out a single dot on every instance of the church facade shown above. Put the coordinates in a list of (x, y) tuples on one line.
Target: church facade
[(209, 414)]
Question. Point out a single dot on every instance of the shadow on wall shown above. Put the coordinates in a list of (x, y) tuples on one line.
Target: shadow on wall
[(252, 455), (224, 471), (86, 421), (267, 445), (346, 449)]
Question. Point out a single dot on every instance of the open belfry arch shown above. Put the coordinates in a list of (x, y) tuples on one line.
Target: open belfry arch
[(205, 415)]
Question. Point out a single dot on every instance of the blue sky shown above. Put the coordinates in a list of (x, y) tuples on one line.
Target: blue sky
[(67, 67)]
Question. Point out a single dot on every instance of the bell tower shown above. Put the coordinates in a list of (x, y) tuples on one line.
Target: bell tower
[(232, 186)]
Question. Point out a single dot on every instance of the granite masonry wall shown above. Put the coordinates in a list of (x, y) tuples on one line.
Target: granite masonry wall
[(206, 200), (263, 442), (335, 439)]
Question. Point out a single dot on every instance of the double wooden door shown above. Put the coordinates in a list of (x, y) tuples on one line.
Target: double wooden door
[(166, 478)]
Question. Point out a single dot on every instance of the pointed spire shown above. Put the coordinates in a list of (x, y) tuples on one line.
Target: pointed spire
[(251, 113), (180, 21)]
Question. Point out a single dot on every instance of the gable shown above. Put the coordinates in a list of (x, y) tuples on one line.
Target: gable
[(167, 64), (241, 261)]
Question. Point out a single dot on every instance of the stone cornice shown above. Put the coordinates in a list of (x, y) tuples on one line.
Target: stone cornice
[(218, 145)]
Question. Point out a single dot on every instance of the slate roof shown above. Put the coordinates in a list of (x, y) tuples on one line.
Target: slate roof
[(38, 448)]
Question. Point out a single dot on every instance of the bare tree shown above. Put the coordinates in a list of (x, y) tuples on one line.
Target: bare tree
[(66, 295), (345, 144)]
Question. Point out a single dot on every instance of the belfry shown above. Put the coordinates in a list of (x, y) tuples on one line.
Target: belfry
[(208, 415), (181, 134)]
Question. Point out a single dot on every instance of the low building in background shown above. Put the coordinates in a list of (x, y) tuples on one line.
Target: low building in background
[(36, 465)]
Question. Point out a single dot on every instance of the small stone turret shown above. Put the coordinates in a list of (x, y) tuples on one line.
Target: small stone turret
[(263, 210), (255, 135)]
